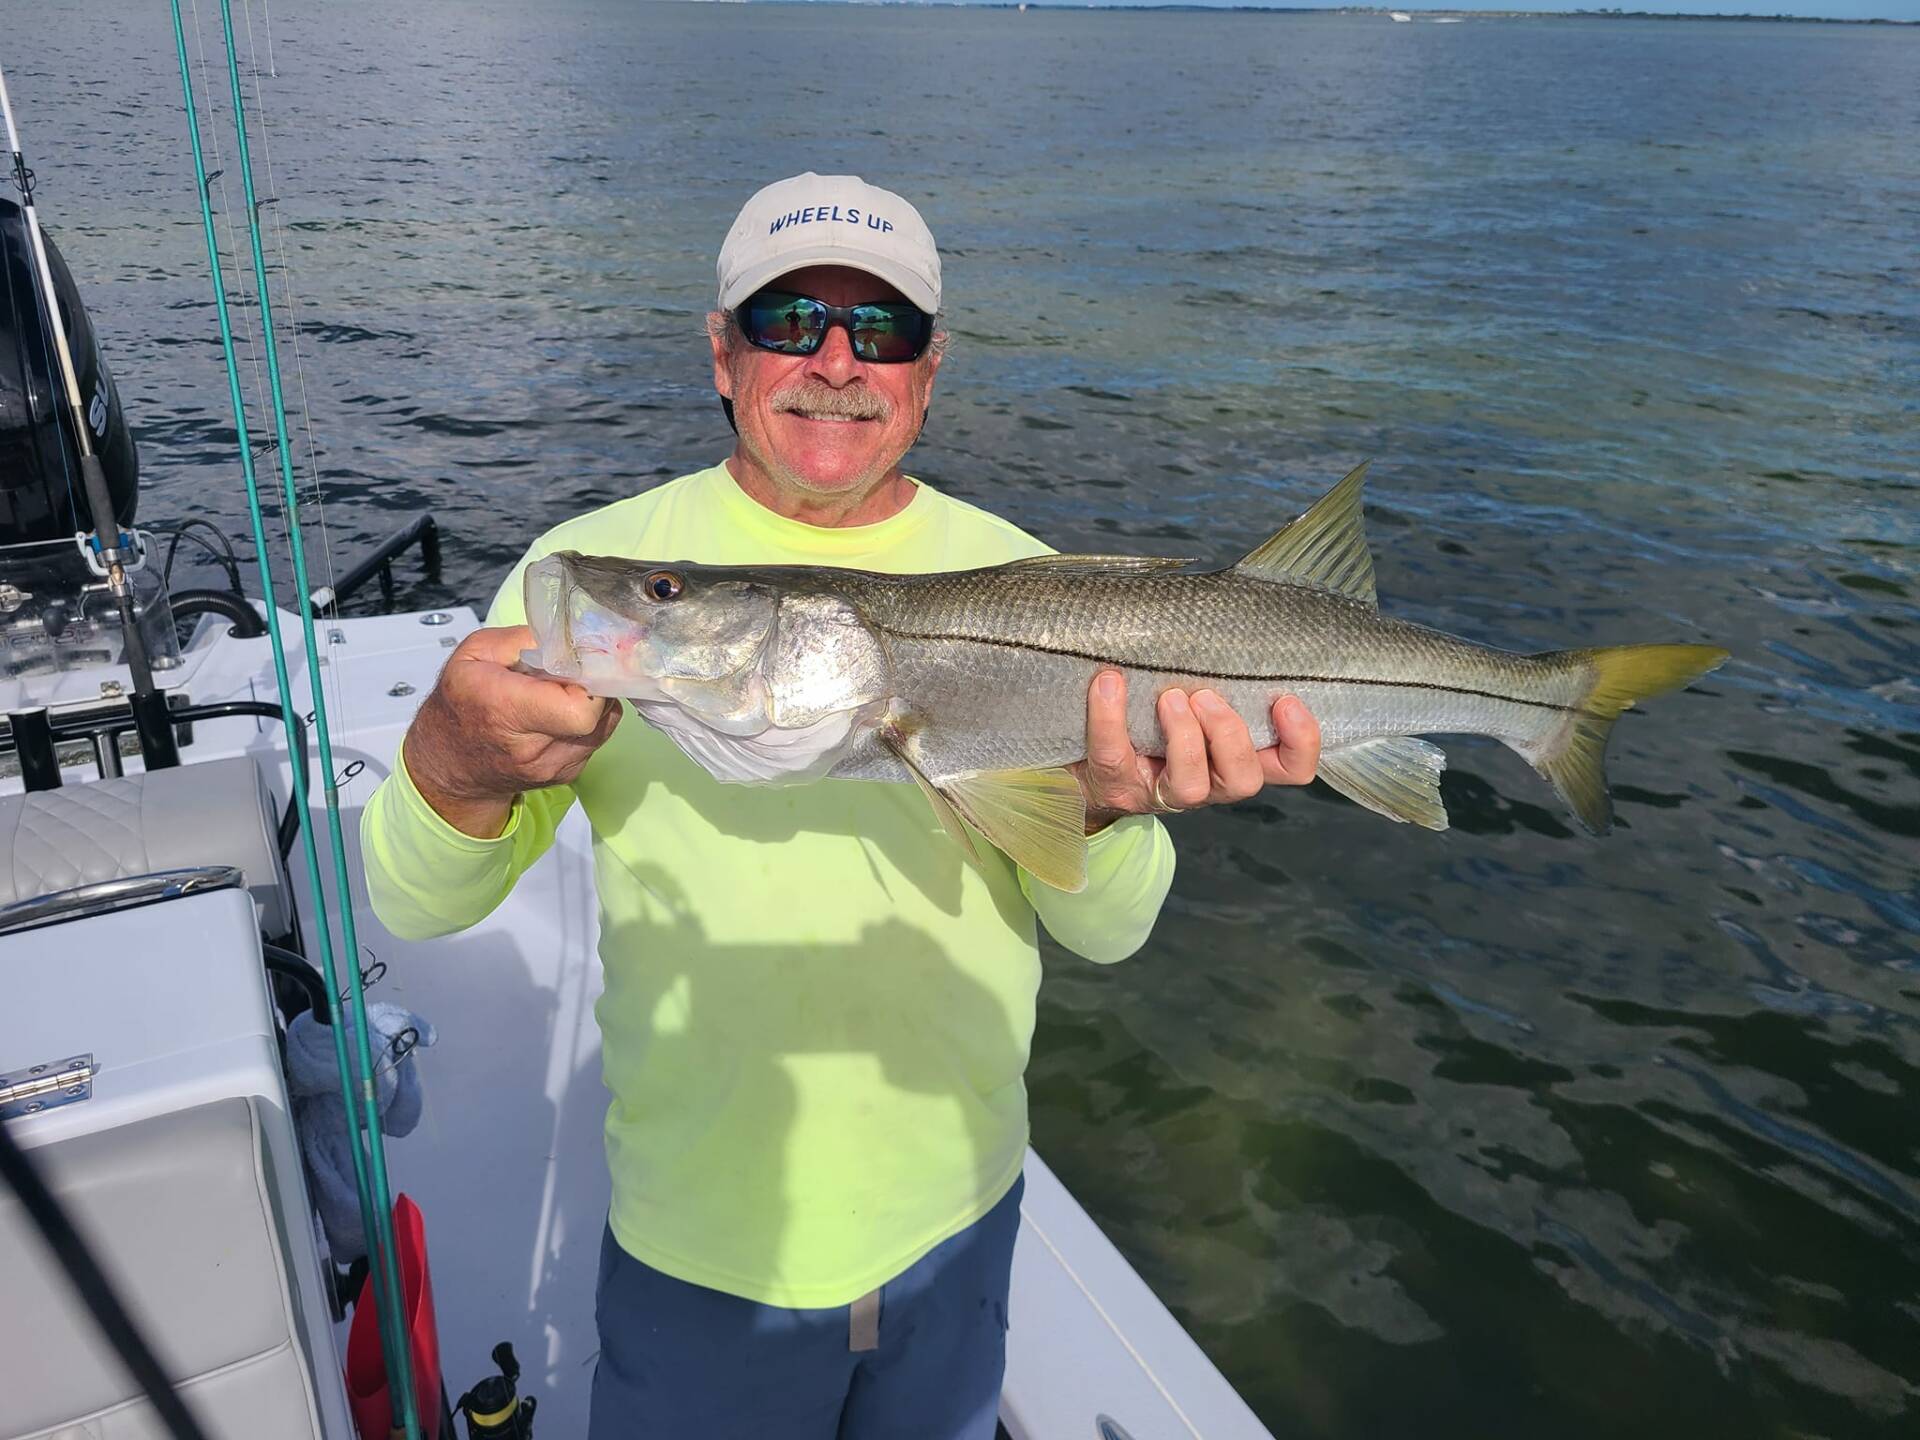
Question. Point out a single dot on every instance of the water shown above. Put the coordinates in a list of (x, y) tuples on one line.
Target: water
[(1507, 1132)]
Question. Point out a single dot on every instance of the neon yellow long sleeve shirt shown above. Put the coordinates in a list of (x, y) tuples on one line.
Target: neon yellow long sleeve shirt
[(817, 1011)]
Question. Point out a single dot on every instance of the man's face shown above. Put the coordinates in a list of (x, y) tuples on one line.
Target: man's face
[(826, 423)]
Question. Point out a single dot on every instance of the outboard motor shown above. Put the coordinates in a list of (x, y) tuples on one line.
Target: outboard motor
[(39, 459), (40, 496), (58, 622)]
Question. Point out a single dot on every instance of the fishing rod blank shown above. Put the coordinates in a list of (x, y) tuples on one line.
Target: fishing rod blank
[(356, 1071)]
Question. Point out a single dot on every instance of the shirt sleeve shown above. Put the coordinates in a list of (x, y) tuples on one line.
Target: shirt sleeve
[(1129, 871), (426, 878)]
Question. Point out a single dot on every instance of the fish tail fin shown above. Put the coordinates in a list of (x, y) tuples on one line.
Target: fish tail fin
[(1573, 756)]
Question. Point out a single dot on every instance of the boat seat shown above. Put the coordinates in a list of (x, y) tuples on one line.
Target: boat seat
[(189, 1216), (212, 812)]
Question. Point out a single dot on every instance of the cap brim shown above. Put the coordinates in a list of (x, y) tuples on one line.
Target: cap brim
[(903, 279)]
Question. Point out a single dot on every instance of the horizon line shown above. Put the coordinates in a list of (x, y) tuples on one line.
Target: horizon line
[(1487, 12)]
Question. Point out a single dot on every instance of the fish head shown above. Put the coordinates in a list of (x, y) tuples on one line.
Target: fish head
[(692, 635), (759, 674)]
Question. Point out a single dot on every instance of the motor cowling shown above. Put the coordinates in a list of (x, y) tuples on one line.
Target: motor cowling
[(40, 490)]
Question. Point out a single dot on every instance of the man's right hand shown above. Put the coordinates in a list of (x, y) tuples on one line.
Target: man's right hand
[(487, 733)]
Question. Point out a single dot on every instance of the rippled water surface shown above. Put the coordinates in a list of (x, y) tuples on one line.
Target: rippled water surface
[(1502, 1132)]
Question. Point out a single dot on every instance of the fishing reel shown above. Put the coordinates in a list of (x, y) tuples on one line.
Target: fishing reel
[(493, 1408)]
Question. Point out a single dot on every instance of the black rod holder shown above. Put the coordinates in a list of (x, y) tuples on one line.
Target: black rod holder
[(33, 743), (159, 749)]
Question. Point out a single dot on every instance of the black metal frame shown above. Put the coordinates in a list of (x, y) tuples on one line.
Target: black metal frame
[(423, 531)]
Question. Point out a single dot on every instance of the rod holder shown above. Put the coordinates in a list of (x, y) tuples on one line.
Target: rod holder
[(159, 749), (33, 743)]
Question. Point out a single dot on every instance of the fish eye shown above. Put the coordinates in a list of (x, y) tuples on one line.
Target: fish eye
[(663, 585)]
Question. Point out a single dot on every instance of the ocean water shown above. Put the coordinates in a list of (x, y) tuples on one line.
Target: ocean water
[(1507, 1132)]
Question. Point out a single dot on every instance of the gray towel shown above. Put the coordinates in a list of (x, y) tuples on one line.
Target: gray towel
[(321, 1116)]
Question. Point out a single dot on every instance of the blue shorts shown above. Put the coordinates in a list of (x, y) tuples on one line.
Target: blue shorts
[(679, 1360)]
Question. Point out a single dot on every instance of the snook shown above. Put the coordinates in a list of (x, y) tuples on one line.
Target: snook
[(973, 683)]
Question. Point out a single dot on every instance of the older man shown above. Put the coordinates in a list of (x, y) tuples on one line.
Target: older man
[(817, 1012)]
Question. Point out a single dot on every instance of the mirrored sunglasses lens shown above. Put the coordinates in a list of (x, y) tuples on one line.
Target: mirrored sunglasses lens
[(791, 324), (888, 333)]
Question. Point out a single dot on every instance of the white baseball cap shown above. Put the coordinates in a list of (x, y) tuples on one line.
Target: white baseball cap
[(829, 220)]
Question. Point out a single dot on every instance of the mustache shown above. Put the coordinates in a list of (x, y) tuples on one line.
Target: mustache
[(814, 397)]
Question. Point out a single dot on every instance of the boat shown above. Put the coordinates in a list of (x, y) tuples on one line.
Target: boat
[(154, 944), (1400, 17)]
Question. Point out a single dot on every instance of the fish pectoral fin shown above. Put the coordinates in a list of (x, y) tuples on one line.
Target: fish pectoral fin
[(1327, 546), (902, 747), (1396, 776), (1038, 818)]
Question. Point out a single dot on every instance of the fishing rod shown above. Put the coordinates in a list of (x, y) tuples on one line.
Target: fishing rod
[(109, 550), (356, 1072)]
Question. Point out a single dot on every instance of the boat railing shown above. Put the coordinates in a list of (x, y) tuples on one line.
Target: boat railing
[(422, 531), (121, 893)]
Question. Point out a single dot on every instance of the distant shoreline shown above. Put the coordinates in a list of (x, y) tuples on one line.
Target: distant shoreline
[(1383, 10)]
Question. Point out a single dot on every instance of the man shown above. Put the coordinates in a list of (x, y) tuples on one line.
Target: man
[(817, 1011)]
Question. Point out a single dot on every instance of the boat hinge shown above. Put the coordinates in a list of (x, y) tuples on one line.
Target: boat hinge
[(45, 1086)]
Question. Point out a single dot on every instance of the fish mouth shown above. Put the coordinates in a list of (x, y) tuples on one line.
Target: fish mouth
[(609, 651), (573, 638)]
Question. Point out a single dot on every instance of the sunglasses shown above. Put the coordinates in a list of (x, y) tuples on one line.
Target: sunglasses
[(886, 332)]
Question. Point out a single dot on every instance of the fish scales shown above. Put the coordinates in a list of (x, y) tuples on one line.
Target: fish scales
[(1001, 663)]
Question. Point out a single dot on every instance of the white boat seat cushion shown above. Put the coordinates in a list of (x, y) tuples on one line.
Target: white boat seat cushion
[(211, 812), (183, 1209)]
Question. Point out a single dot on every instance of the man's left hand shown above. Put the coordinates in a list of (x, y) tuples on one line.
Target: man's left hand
[(1210, 756)]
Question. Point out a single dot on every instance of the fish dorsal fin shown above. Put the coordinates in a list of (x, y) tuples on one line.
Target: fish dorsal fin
[(1327, 546), (1069, 565)]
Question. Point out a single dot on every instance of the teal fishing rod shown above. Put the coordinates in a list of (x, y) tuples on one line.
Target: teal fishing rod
[(356, 1073)]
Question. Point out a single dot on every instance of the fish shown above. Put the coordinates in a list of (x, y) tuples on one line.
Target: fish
[(972, 684)]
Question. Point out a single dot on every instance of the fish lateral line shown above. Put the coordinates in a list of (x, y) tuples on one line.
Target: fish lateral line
[(1120, 664)]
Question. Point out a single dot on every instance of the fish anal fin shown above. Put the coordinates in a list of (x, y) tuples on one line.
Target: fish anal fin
[(1327, 546), (1038, 818), (897, 740), (1395, 776)]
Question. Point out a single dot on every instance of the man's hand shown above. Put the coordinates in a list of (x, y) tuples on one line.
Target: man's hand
[(1210, 755), (487, 733)]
